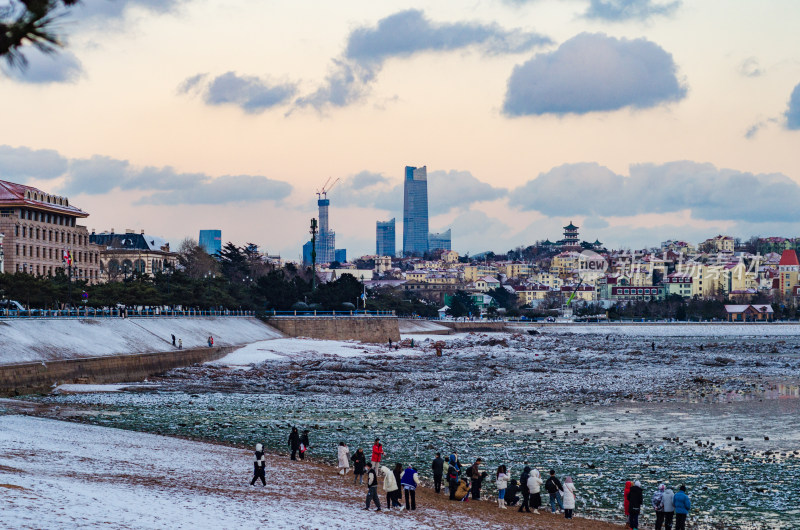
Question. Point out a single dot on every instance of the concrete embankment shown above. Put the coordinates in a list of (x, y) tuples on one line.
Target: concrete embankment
[(29, 378), (473, 325), (422, 327), (364, 329)]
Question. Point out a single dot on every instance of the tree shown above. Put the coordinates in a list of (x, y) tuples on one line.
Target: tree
[(195, 261), (461, 304), (503, 297), (29, 22)]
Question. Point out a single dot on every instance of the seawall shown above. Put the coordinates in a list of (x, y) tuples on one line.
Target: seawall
[(469, 325), (364, 329), (29, 378)]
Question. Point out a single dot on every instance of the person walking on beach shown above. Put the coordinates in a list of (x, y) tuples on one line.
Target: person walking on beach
[(682, 507), (359, 459), (535, 488), (635, 500), (180, 344), (669, 508), (627, 505), (478, 474), (553, 487), (453, 471), (410, 480), (391, 488), (294, 442), (210, 341), (502, 484), (304, 445), (526, 492), (173, 339), (377, 452), (372, 488), (569, 497), (259, 466), (437, 466), (658, 505), (344, 458)]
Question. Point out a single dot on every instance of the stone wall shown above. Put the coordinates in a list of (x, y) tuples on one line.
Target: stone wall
[(467, 326), (364, 329), (29, 378)]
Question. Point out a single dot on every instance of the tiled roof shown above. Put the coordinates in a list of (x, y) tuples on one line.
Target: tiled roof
[(789, 257), (19, 195)]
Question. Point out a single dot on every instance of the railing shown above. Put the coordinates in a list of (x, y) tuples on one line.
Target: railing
[(345, 313), (89, 312)]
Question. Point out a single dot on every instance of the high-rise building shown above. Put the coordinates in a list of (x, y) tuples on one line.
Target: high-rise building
[(211, 241), (440, 241), (326, 239), (340, 255), (415, 211), (384, 238)]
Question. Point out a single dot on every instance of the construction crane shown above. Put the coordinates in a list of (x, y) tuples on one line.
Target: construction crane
[(322, 193)]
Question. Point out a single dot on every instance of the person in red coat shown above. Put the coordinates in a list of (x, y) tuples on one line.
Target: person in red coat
[(377, 452), (628, 486)]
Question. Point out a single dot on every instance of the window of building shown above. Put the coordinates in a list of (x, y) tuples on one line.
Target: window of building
[(24, 231), (18, 252), (16, 230)]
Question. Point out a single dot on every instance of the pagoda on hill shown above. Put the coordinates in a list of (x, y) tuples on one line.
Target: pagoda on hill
[(571, 238)]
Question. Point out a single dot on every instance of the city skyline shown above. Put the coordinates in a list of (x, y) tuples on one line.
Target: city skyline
[(704, 144)]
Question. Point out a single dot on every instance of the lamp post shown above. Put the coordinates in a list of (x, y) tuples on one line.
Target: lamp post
[(313, 232)]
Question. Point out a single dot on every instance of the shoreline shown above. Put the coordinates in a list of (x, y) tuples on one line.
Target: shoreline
[(329, 486)]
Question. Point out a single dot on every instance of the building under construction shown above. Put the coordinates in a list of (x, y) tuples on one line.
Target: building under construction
[(326, 239)]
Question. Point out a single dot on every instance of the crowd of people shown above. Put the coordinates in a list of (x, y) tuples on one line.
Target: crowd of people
[(463, 482)]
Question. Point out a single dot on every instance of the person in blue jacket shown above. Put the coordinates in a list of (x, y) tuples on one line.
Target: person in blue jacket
[(682, 507)]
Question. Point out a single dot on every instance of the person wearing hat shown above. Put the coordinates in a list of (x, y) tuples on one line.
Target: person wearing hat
[(259, 466), (568, 497), (635, 500), (682, 507), (658, 505)]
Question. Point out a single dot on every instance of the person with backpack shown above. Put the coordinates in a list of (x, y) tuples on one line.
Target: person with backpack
[(553, 487), (658, 505), (682, 507), (526, 492), (535, 488), (259, 466), (372, 488), (501, 483), (569, 497), (635, 500), (453, 470), (437, 466), (477, 476), (669, 508), (359, 459), (377, 452), (391, 488), (410, 481), (294, 442)]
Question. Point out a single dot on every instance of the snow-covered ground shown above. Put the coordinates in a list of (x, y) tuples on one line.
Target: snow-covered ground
[(285, 349), (671, 329), (64, 475), (112, 387), (422, 326), (30, 340)]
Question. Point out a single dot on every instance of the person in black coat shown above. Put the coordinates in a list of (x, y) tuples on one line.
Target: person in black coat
[(358, 460), (259, 466), (438, 470), (526, 493), (304, 444), (397, 471), (294, 442), (512, 491), (635, 500)]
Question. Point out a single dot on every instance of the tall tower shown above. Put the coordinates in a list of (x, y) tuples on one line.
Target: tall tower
[(415, 211), (384, 238), (326, 243), (571, 238)]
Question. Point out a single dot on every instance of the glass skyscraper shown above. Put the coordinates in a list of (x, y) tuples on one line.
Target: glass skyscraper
[(440, 241), (211, 241), (415, 211), (384, 236)]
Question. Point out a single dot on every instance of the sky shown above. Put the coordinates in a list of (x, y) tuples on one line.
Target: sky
[(638, 120)]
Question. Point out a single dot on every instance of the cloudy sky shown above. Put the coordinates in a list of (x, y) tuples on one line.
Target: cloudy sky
[(639, 120)]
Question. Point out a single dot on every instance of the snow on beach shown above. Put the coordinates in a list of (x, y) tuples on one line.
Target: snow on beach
[(670, 329), (57, 474), (286, 349), (31, 340)]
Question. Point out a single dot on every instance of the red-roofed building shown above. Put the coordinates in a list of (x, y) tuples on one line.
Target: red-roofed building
[(788, 272), (42, 236), (750, 313)]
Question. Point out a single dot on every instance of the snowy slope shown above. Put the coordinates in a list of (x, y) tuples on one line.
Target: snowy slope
[(27, 340), (65, 475), (422, 326)]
